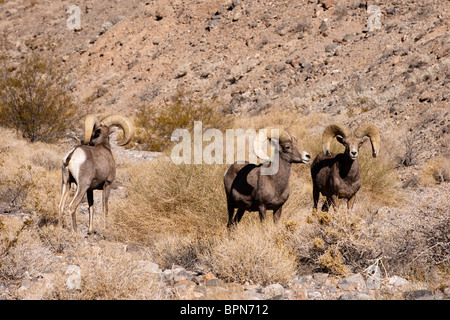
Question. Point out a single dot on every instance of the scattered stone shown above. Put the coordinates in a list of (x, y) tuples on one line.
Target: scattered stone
[(147, 266), (214, 282), (354, 282), (397, 281), (273, 290), (354, 296), (105, 27), (417, 294), (327, 3), (320, 277), (323, 26), (331, 47), (426, 96)]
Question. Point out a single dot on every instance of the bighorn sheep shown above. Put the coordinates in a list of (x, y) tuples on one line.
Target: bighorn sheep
[(337, 175), (247, 189), (92, 167)]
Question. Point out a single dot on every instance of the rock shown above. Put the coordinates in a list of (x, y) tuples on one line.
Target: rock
[(25, 284), (447, 291), (354, 296), (327, 3), (214, 282), (354, 282), (426, 96), (252, 295), (320, 277), (147, 266), (397, 281), (417, 294), (331, 47), (323, 26), (105, 27), (273, 290), (182, 71)]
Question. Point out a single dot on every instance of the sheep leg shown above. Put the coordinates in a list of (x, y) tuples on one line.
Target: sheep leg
[(65, 190), (90, 199), (262, 212), (316, 195), (230, 214), (105, 197), (334, 201), (74, 205), (239, 215), (277, 214), (351, 202)]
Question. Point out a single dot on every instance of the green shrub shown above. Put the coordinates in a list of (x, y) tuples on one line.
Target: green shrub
[(156, 124), (34, 98)]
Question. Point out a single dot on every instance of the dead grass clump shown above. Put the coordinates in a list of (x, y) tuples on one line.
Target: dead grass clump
[(182, 250), (250, 253), (378, 178), (435, 171), (332, 260), (26, 254), (107, 275), (167, 198), (31, 184)]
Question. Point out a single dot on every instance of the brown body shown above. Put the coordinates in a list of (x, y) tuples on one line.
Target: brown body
[(337, 176), (91, 167), (247, 189)]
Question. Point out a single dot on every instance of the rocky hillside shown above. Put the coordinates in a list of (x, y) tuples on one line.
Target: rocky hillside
[(389, 65), (254, 56)]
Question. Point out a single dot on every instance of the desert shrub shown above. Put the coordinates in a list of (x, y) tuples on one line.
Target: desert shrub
[(157, 123), (35, 99), (435, 171), (27, 254), (251, 253), (106, 275), (183, 250), (32, 184), (167, 198)]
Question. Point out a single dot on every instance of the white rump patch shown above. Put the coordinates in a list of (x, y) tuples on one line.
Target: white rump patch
[(76, 161)]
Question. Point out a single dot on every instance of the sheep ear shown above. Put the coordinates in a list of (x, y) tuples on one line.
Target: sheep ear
[(340, 139)]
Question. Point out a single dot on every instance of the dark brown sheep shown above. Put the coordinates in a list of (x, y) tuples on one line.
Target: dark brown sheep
[(247, 188), (337, 175)]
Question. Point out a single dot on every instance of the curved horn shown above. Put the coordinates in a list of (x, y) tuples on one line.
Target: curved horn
[(283, 136), (330, 132), (370, 131), (124, 123), (90, 122)]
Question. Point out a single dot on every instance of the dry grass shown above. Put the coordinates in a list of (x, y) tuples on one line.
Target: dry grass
[(434, 171), (110, 275), (169, 198), (251, 253), (178, 213)]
